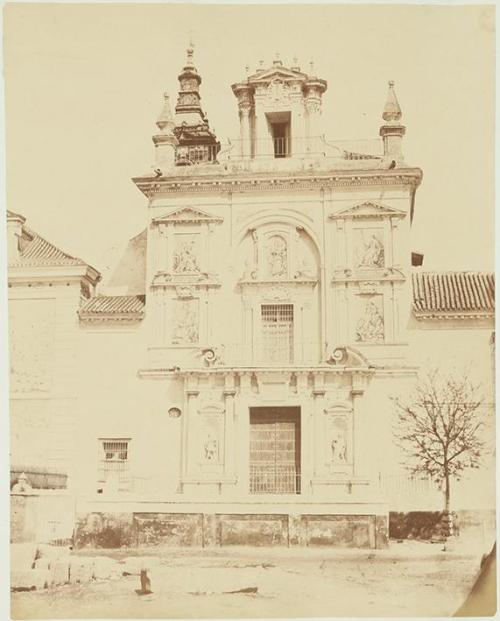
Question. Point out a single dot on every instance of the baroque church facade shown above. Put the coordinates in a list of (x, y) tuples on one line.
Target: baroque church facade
[(239, 390)]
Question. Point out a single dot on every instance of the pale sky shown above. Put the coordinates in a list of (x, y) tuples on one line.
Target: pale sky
[(84, 84)]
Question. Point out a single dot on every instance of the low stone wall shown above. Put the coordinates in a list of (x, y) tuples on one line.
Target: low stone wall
[(427, 525), (111, 530), (40, 567), (424, 525)]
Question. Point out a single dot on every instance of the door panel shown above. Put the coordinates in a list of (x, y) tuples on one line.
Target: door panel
[(275, 450)]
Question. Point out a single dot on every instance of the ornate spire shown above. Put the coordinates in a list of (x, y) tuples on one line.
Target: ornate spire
[(188, 101), (392, 131), (195, 140), (165, 121), (392, 111), (165, 141)]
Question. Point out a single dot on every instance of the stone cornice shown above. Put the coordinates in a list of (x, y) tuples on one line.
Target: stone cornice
[(297, 282), (450, 315), (110, 317), (224, 182), (159, 372), (180, 281), (374, 275), (19, 273)]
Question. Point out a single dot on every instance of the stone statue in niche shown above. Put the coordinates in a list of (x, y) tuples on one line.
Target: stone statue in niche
[(370, 327), (185, 329), (211, 448), (372, 252), (277, 257), (339, 448), (185, 261)]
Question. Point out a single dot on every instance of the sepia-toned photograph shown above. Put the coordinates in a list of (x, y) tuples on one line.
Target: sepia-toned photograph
[(250, 307)]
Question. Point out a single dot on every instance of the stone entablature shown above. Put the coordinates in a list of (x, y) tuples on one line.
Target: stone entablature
[(197, 181)]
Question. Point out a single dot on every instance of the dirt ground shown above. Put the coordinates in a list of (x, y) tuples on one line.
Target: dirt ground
[(408, 579)]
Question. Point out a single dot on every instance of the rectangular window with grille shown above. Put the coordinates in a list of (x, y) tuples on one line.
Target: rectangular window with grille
[(277, 333), (114, 461)]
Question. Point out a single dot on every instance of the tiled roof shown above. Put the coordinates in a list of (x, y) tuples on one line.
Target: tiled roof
[(453, 293), (113, 307), (35, 250), (12, 214)]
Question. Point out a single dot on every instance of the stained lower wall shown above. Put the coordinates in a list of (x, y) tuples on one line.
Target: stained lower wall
[(112, 530)]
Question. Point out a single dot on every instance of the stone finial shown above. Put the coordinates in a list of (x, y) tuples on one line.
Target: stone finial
[(165, 121), (277, 61), (392, 110), (190, 52)]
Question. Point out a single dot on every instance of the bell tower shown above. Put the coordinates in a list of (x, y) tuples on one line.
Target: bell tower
[(195, 142), (280, 112)]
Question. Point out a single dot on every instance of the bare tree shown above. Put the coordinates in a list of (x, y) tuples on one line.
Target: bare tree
[(439, 427)]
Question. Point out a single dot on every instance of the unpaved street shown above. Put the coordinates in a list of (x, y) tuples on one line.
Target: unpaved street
[(409, 579)]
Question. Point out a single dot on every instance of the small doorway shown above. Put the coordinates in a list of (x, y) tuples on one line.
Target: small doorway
[(279, 128), (280, 139), (275, 450)]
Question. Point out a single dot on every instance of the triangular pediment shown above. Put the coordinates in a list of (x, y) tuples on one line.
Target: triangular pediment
[(368, 209), (187, 215), (276, 73)]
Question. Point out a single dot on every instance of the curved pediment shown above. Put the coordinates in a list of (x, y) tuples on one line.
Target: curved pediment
[(368, 209)]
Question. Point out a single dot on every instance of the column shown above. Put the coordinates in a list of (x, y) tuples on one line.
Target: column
[(312, 105), (187, 420), (230, 448), (167, 263), (243, 432), (245, 130), (262, 142), (359, 455), (210, 246), (317, 428), (306, 432)]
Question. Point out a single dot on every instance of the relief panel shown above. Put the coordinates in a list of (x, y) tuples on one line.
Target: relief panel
[(369, 249), (185, 321), (370, 324), (186, 256), (277, 257)]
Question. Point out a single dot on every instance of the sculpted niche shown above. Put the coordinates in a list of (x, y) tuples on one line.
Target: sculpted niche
[(370, 249), (370, 326), (277, 252)]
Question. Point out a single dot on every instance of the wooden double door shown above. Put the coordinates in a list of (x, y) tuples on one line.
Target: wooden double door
[(275, 450)]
